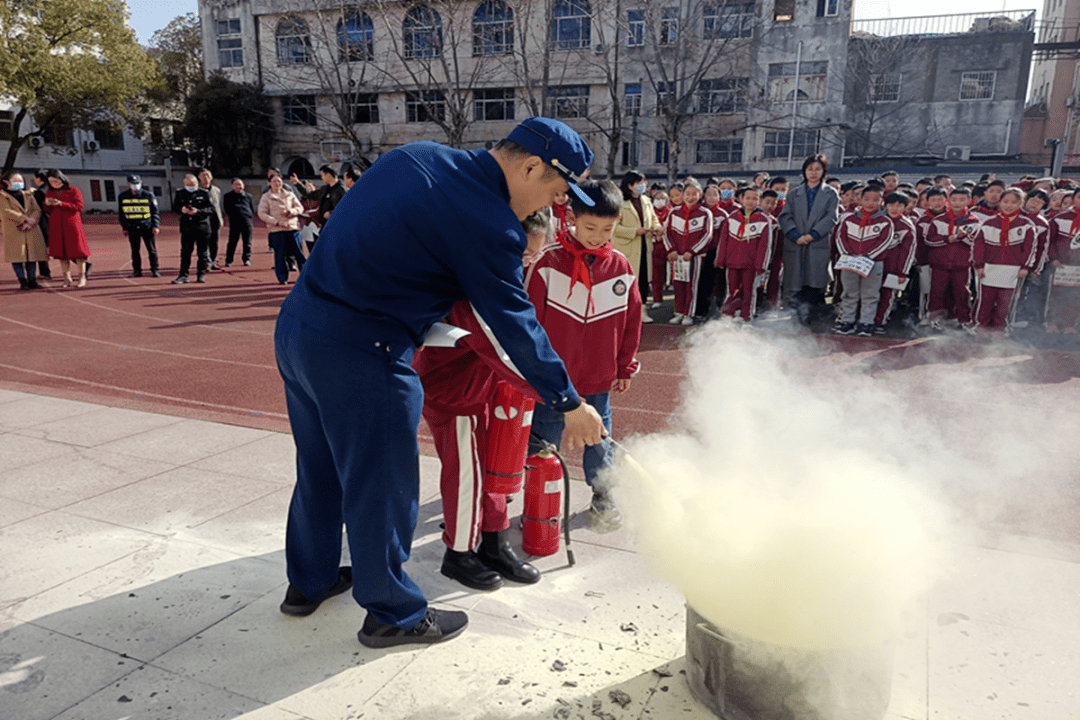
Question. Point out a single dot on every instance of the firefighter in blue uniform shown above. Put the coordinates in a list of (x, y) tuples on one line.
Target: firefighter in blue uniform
[(141, 220), (425, 227)]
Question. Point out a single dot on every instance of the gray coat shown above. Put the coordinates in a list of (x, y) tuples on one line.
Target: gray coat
[(808, 265)]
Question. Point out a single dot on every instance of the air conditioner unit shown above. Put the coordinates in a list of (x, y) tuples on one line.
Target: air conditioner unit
[(958, 153), (36, 142), (91, 146)]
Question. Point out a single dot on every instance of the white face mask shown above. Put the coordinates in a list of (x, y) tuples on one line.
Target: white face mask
[(191, 188), (135, 187), (659, 202), (640, 188)]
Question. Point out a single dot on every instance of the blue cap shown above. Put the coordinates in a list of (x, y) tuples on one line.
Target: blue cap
[(559, 146)]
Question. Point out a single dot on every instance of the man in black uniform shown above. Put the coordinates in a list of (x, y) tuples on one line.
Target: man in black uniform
[(196, 208), (141, 220)]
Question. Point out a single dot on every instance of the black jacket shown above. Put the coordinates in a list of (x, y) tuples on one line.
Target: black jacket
[(239, 207), (200, 200), (328, 196), (138, 210)]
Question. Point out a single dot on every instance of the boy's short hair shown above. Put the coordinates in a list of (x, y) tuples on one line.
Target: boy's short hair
[(328, 170), (1038, 193), (677, 185), (896, 198), (658, 185), (960, 191), (748, 187), (832, 179), (978, 191), (927, 180), (873, 188), (939, 178), (906, 186), (769, 194), (538, 222), (936, 190), (849, 186), (604, 193), (889, 173), (996, 183), (778, 180)]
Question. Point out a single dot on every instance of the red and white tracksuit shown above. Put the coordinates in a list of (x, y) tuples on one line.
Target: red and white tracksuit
[(459, 389), (1002, 240), (744, 251), (897, 260), (659, 259), (864, 235), (949, 260), (1064, 247), (688, 230)]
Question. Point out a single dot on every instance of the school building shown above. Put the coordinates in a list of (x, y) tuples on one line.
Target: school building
[(1052, 113), (697, 86)]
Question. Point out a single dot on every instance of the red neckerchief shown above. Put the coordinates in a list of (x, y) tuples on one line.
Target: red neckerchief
[(1005, 220), (954, 219), (743, 218), (864, 218), (580, 269), (562, 214), (726, 206), (1075, 224)]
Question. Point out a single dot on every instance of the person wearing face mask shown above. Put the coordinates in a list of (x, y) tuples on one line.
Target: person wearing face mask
[(658, 276), (195, 208), (636, 232), (140, 220), (24, 245)]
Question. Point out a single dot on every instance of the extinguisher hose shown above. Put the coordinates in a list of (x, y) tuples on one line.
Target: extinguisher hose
[(545, 445)]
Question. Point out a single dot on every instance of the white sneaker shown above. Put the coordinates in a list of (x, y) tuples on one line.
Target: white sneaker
[(676, 319), (645, 319), (653, 306), (688, 320)]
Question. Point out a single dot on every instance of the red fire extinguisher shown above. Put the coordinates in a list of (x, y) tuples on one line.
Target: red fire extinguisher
[(508, 440), (543, 492)]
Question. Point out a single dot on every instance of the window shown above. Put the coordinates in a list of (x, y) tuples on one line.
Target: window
[(811, 82), (977, 85), (719, 151), (662, 152), (828, 8), (885, 88), (156, 190), (571, 26), (669, 26), (293, 42), (59, 132), (629, 154), (730, 19), (494, 104), (632, 99), (95, 191), (365, 108), (663, 98), (422, 33), (110, 191), (298, 109), (722, 96), (356, 37), (777, 143), (427, 106), (7, 125), (570, 101), (635, 28), (109, 136), (230, 45), (783, 10), (493, 29)]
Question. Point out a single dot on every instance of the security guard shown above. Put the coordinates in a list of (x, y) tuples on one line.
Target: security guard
[(426, 226), (141, 220)]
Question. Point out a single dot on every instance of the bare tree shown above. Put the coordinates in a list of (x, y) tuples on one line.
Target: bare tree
[(879, 108)]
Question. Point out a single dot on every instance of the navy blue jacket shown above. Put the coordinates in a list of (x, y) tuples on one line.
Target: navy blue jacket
[(427, 226)]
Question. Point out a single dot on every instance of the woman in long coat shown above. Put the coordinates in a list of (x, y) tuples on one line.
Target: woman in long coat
[(637, 229), (20, 216), (67, 240), (806, 221)]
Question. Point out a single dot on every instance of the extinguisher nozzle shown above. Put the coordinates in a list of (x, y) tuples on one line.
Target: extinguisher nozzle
[(570, 557)]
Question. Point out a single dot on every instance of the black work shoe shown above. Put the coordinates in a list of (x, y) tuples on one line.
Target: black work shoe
[(180, 280), (469, 570), (496, 552), (297, 604), (23, 285), (437, 625), (33, 284)]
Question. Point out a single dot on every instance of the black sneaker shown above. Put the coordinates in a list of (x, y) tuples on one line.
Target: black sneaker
[(297, 604), (200, 278), (33, 284), (844, 328), (437, 625), (247, 262), (155, 273), (180, 280), (864, 330)]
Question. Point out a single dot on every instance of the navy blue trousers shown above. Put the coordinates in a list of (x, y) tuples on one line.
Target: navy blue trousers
[(549, 424), (354, 407), (286, 243)]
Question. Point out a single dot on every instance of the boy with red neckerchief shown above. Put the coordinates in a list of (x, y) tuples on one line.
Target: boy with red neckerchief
[(1064, 250), (687, 234), (587, 299), (948, 237), (898, 259), (744, 249), (1003, 254), (1031, 306), (866, 233)]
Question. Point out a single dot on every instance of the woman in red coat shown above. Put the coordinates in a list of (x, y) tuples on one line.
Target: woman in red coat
[(67, 241)]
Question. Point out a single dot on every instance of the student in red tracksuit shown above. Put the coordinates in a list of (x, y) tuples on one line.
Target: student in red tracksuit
[(772, 204), (459, 391), (1005, 239), (587, 299), (1063, 309), (898, 259), (662, 206), (866, 233), (948, 239), (744, 250), (562, 215), (687, 235), (720, 200)]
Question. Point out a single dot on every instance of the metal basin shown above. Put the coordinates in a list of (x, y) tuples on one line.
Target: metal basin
[(743, 679)]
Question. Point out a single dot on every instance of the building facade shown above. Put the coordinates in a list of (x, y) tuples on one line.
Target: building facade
[(1053, 94), (684, 86)]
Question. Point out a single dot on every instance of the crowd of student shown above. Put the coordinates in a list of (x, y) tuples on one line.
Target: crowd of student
[(983, 255)]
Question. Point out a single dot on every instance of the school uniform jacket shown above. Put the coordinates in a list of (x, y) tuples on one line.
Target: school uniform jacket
[(596, 338), (935, 237), (1042, 239), (866, 235), (688, 230), (1064, 241), (992, 245), (746, 243), (900, 256)]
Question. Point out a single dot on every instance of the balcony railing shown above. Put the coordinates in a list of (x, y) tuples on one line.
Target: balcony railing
[(1003, 21)]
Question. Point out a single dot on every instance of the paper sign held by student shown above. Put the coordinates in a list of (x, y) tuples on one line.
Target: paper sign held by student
[(855, 263), (1000, 276)]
